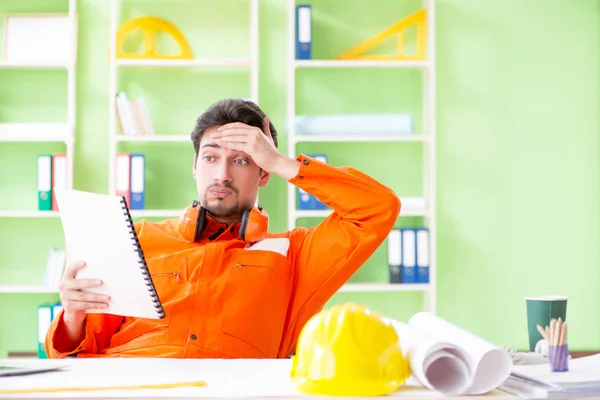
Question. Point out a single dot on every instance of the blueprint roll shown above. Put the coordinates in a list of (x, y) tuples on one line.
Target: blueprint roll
[(450, 360)]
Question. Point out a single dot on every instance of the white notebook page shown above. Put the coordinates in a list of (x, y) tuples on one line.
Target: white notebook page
[(97, 231)]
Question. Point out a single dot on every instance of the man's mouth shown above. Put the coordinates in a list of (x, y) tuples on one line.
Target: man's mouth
[(220, 192)]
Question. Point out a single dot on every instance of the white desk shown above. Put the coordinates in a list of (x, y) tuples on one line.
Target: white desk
[(225, 379)]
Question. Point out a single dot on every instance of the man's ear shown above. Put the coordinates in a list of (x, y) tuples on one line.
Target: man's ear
[(194, 167), (264, 178)]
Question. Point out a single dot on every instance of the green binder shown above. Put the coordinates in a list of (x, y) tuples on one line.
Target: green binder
[(44, 320), (45, 182)]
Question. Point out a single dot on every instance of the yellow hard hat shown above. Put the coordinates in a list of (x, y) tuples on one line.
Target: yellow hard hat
[(348, 350)]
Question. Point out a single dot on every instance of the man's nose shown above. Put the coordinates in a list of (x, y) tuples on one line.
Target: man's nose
[(223, 173)]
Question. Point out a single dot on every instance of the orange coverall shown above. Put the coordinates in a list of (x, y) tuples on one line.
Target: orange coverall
[(224, 301)]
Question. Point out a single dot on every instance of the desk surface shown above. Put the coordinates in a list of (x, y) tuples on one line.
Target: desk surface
[(225, 379)]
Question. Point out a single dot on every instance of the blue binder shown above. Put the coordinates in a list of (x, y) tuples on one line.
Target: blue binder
[(409, 255), (137, 181), (303, 32), (307, 201), (423, 253), (56, 308)]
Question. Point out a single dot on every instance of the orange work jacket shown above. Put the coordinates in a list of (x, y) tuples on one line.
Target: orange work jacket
[(223, 300)]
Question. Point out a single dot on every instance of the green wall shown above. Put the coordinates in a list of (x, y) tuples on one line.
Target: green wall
[(517, 145)]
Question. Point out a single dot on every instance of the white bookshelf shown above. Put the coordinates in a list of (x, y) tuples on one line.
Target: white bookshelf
[(28, 214), (383, 287), (155, 138), (155, 213), (427, 138), (359, 138), (360, 63), (116, 65), (220, 63), (33, 289), (37, 132), (324, 213), (34, 65), (45, 132)]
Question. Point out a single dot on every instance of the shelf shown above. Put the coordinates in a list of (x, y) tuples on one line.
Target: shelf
[(324, 213), (26, 289), (216, 62), (384, 287), (361, 64), (56, 214), (297, 138), (28, 214), (34, 132), (154, 138), (122, 65), (155, 213), (360, 138), (33, 138), (32, 65), (314, 130)]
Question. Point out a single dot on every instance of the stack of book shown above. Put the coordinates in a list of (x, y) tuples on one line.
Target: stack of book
[(133, 116), (55, 267)]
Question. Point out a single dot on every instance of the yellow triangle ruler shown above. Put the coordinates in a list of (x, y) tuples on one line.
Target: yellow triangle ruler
[(418, 18)]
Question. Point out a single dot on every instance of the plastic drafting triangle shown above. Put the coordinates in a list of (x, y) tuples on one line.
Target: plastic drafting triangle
[(418, 18), (150, 26)]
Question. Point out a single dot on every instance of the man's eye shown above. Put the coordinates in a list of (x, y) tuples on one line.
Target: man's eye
[(241, 161), (209, 158)]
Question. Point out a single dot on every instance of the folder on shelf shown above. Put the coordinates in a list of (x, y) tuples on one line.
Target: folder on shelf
[(59, 175), (56, 308), (422, 264), (125, 114), (307, 201), (137, 181), (409, 256), (394, 242), (133, 118), (43, 323), (123, 176), (55, 266), (303, 32), (142, 108), (44, 182)]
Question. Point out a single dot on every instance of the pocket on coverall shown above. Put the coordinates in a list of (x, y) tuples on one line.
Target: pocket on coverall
[(257, 293)]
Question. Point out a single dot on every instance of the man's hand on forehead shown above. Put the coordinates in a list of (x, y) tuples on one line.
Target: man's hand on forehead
[(253, 141)]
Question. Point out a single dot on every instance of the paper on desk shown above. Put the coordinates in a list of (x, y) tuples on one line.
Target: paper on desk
[(583, 374), (450, 360)]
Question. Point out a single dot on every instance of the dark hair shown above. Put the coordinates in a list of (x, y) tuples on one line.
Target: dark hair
[(227, 111)]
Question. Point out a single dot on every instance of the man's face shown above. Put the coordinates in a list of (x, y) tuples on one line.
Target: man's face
[(227, 181)]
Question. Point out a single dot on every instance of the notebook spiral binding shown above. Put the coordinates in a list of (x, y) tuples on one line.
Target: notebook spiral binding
[(142, 260)]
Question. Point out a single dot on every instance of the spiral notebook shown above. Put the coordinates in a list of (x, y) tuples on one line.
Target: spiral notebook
[(98, 230)]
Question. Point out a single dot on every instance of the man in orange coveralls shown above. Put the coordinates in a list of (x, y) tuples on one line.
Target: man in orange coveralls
[(221, 299)]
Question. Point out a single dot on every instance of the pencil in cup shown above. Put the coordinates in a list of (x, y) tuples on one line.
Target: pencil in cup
[(558, 349)]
